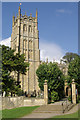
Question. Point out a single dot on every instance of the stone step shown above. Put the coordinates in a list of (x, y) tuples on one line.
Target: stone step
[(50, 108), (48, 112), (70, 106)]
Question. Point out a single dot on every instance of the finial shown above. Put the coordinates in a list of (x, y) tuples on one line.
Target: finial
[(13, 16), (20, 3), (19, 11), (13, 19), (36, 14), (19, 8), (73, 81), (30, 14)]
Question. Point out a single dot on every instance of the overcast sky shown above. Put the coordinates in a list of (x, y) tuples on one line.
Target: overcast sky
[(57, 25)]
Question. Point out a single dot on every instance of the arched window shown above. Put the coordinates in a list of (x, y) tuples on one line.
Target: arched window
[(30, 29), (24, 28)]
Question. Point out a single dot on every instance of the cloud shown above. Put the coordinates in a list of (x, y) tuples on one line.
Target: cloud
[(63, 11), (48, 50), (6, 42), (51, 51)]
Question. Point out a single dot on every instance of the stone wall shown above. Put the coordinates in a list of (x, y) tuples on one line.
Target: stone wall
[(13, 102), (33, 101)]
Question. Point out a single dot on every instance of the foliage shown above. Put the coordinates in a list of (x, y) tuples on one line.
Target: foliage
[(19, 92), (54, 96), (42, 75), (54, 77), (10, 63), (8, 83), (74, 72), (69, 57), (70, 98), (78, 99)]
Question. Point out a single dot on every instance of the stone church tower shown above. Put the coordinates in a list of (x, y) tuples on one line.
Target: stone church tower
[(25, 38)]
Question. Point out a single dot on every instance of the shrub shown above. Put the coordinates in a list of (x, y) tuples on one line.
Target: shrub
[(54, 96), (20, 92), (78, 99), (70, 98)]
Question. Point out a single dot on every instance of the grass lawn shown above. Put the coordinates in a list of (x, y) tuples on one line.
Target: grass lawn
[(17, 112), (74, 116)]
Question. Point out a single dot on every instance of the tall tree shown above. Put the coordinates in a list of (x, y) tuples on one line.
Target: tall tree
[(42, 74), (53, 74), (11, 62), (69, 57), (74, 72)]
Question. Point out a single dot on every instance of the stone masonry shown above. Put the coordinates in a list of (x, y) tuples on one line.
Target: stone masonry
[(25, 38)]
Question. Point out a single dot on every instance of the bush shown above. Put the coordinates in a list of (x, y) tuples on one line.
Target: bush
[(54, 77), (54, 96), (70, 98), (20, 92), (78, 99)]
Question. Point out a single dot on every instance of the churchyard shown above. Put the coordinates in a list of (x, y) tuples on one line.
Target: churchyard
[(31, 87)]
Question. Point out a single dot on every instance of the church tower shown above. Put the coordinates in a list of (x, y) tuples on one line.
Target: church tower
[(25, 38)]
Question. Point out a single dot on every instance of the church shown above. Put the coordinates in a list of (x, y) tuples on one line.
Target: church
[(25, 38)]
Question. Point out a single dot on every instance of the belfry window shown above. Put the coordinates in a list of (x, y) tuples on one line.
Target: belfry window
[(24, 28), (30, 29)]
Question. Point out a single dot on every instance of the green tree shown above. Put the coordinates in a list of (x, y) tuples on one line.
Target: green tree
[(74, 72), (53, 74), (11, 62), (55, 79), (69, 57), (42, 74)]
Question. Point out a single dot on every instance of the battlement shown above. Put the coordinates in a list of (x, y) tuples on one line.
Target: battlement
[(22, 18)]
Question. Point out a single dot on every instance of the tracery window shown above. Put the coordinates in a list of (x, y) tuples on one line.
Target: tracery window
[(30, 54), (30, 28), (24, 28)]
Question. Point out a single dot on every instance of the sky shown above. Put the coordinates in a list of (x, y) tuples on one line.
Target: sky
[(57, 25)]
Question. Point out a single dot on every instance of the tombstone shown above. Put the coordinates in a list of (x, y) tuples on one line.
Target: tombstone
[(73, 92), (46, 92)]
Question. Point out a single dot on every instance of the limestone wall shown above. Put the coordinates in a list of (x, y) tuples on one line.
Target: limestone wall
[(13, 102), (33, 102)]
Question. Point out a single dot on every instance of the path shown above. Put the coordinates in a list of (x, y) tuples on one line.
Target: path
[(50, 110)]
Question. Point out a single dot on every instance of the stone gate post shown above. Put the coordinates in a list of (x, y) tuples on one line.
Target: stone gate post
[(73, 92), (46, 92)]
